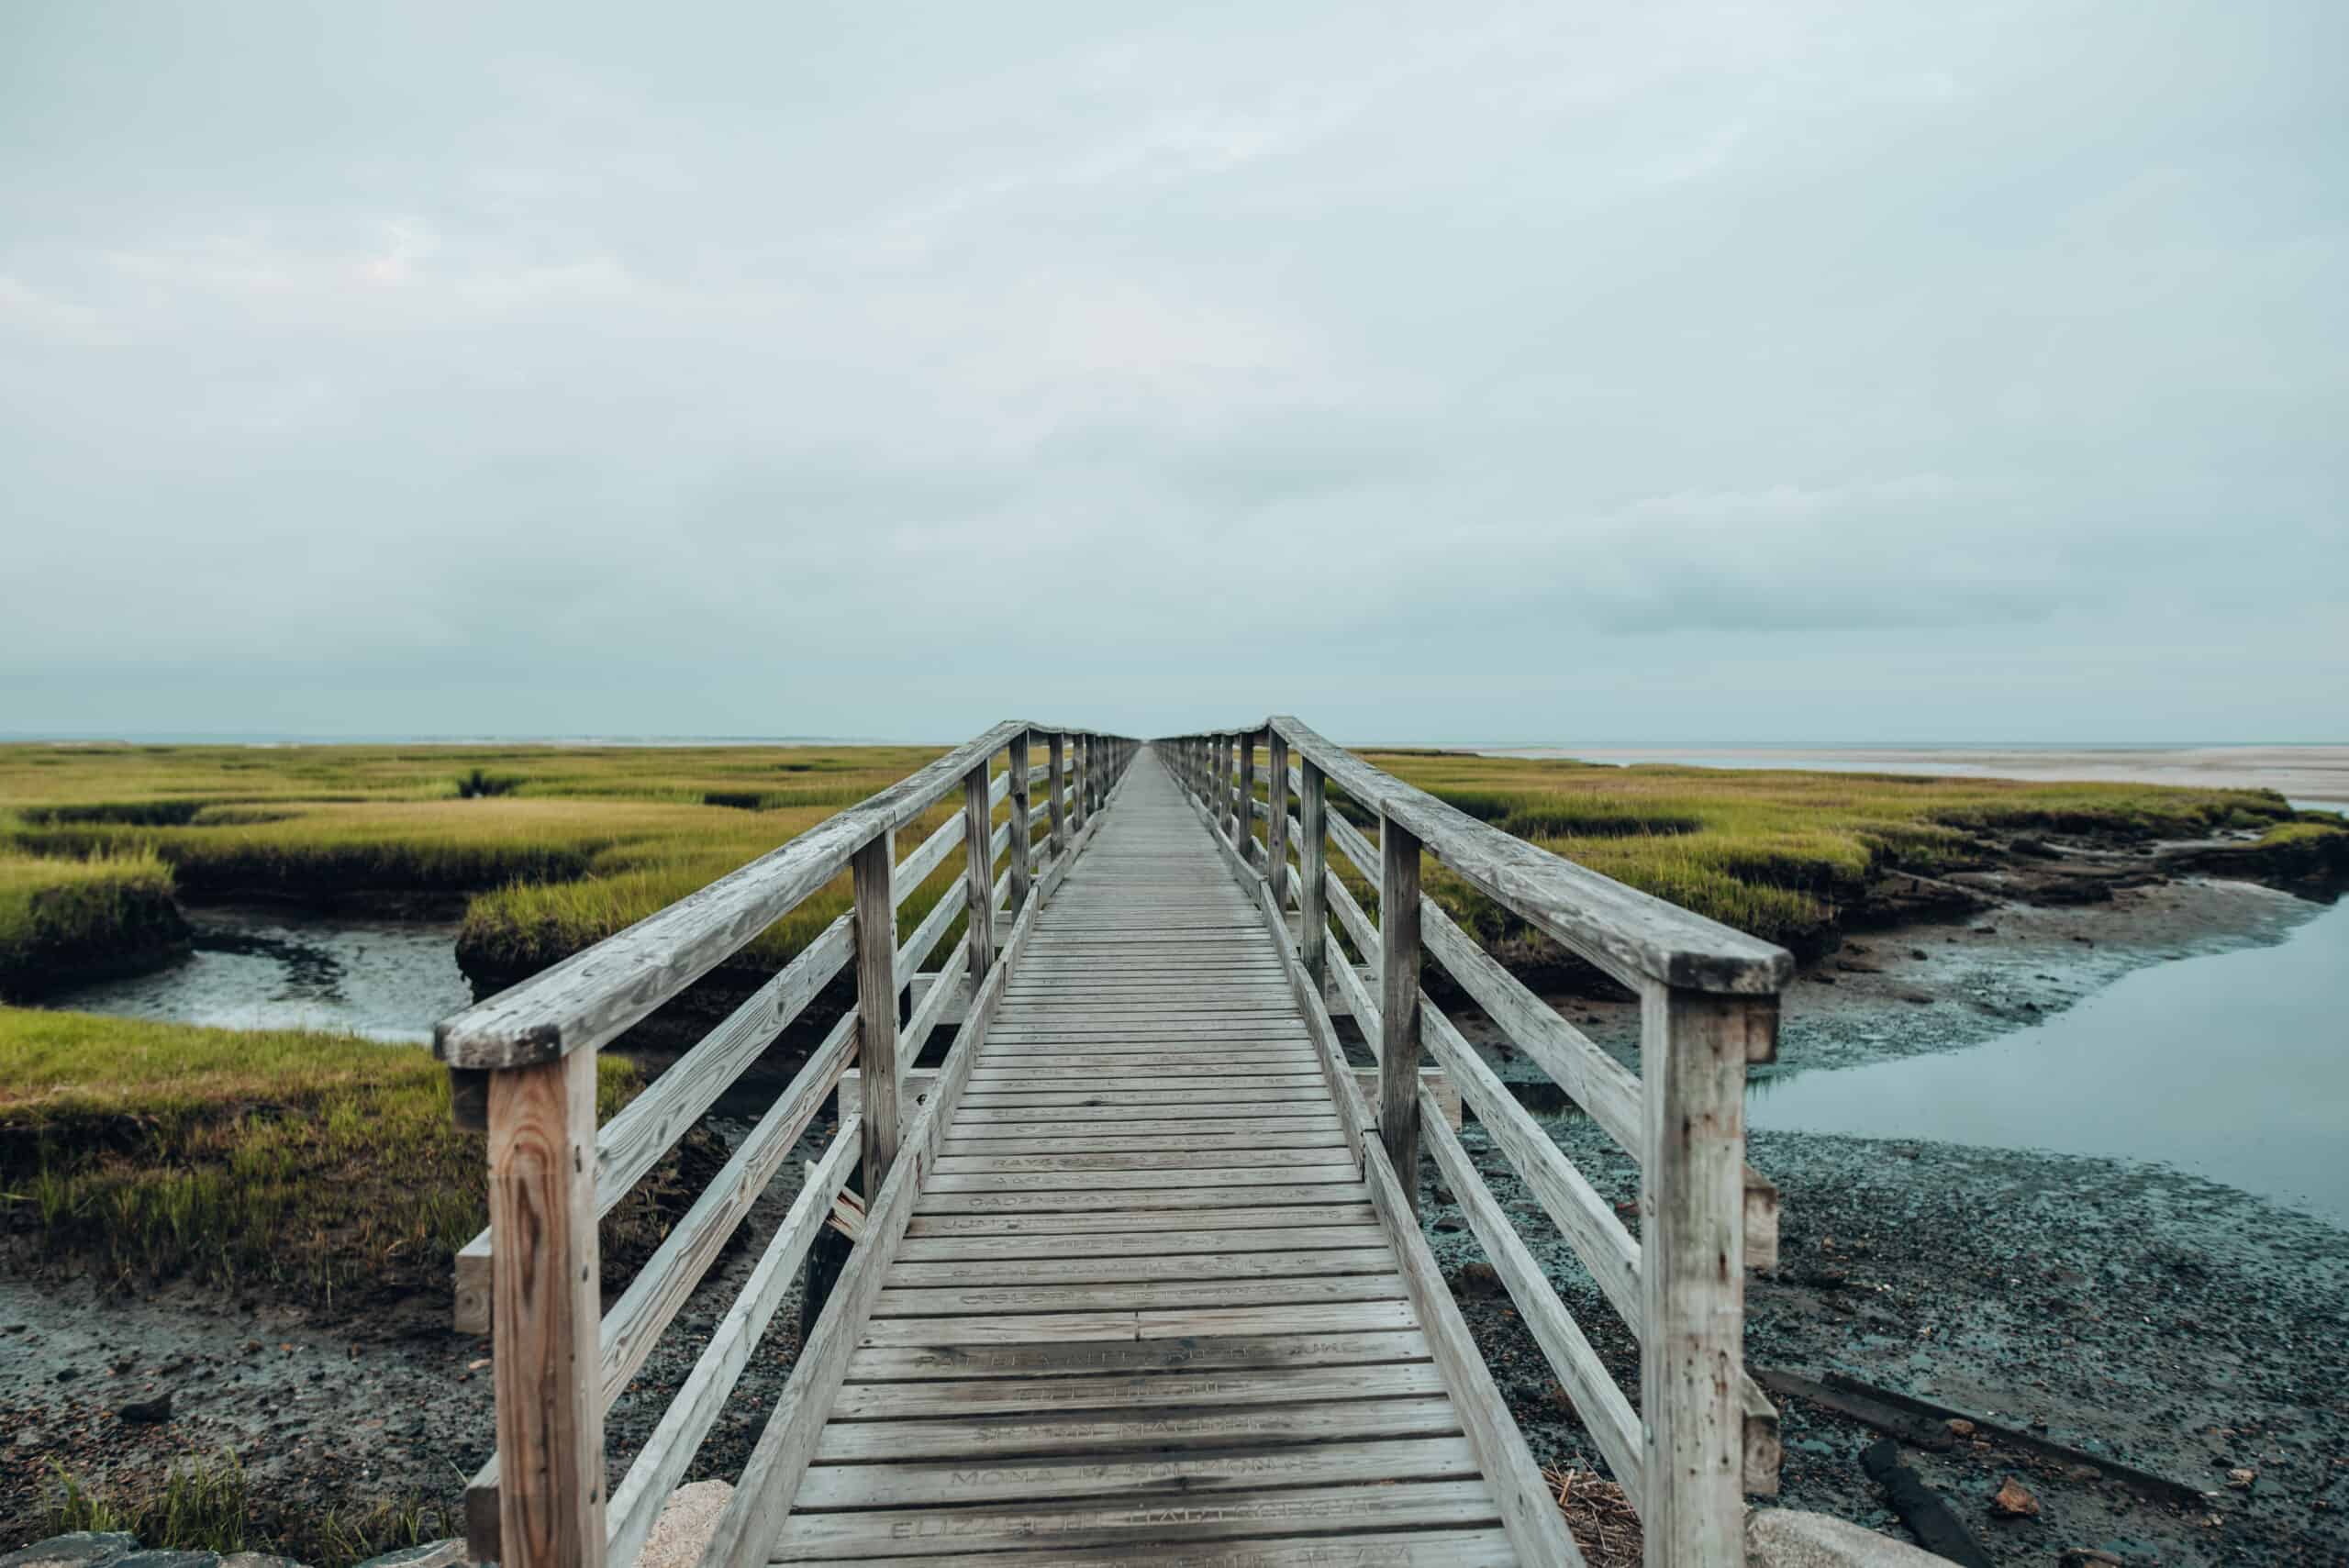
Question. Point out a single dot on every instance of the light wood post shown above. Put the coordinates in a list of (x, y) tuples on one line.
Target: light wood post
[(978, 844), (1277, 833), (1056, 763), (1313, 856), (1398, 1005), (1023, 869), (875, 925), (545, 1306), (1083, 781), (1693, 1051)]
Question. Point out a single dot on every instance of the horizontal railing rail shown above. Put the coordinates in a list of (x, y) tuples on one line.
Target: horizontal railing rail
[(1703, 1434), (523, 1067)]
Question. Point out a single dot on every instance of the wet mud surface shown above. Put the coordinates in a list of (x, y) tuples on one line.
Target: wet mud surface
[(2122, 1309)]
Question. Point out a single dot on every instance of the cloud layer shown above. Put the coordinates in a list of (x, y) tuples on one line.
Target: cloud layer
[(1807, 372)]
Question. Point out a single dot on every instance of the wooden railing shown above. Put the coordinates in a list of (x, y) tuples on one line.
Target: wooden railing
[(523, 1067), (1703, 1434)]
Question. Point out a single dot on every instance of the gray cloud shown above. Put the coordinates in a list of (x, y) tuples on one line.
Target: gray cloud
[(1823, 371)]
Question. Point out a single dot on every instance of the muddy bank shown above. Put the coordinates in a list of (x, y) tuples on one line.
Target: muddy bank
[(327, 1411), (2167, 1322)]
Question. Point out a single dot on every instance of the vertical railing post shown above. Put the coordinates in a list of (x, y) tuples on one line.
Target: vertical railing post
[(1023, 870), (1276, 832), (1398, 1005), (1243, 831), (545, 1305), (1084, 770), (978, 842), (1693, 1050), (1313, 856), (1056, 761), (876, 924)]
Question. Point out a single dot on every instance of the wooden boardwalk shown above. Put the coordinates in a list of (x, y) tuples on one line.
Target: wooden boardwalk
[(1143, 1301), (1136, 1273)]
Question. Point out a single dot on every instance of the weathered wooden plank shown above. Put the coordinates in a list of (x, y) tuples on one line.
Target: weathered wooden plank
[(875, 925), (1232, 1217), (1529, 1512), (1398, 970), (1206, 1469), (1217, 1388), (1152, 1243), (1046, 1158), (1487, 1548), (594, 996), (1021, 833), (661, 1464), (1694, 1049), (1630, 934), (543, 1210), (1113, 1269), (1003, 1437), (1156, 1522)]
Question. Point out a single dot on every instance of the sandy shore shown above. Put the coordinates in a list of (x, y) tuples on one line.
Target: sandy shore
[(2300, 773)]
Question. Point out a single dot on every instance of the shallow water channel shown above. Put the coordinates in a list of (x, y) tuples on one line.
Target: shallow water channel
[(2233, 1066), (265, 969)]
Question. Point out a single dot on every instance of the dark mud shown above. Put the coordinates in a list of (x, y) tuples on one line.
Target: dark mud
[(325, 1411), (2178, 1325)]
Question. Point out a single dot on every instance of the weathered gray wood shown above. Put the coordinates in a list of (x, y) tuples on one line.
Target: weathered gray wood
[(1276, 855), (550, 1419), (1606, 1414), (915, 869), (1630, 934), (1057, 765), (876, 1006), (1340, 1458), (1529, 1512), (592, 996), (649, 1125), (1693, 1054), (1153, 1521), (978, 875), (952, 903), (1312, 809), (1022, 833), (661, 1464), (1399, 968), (1004, 1437), (1474, 1547), (763, 1501)]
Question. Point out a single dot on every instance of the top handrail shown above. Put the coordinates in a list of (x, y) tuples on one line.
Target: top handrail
[(1631, 935), (596, 994)]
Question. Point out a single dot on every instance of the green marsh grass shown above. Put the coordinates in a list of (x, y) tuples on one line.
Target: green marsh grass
[(315, 1166)]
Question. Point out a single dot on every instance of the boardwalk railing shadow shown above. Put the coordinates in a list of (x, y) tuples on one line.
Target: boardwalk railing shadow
[(523, 1066)]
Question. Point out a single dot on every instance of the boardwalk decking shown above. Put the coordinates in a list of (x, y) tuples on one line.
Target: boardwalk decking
[(1152, 1316)]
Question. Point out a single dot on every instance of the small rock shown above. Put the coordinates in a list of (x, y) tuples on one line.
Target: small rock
[(151, 1412), (2013, 1501), (168, 1559), (1478, 1279), (81, 1548), (2240, 1480), (1960, 1427), (1918, 952), (432, 1554), (257, 1559)]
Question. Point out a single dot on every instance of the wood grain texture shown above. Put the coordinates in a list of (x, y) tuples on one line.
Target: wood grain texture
[(592, 996), (876, 924), (1398, 1029), (1633, 935), (549, 1417)]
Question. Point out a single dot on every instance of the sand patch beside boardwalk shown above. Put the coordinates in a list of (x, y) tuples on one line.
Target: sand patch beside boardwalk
[(2300, 773)]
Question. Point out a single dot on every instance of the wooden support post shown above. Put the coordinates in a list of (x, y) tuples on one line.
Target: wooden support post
[(1056, 764), (1083, 781), (1243, 821), (1693, 1050), (545, 1308), (876, 925), (978, 840), (1276, 832), (1023, 865), (1313, 857), (1399, 1004)]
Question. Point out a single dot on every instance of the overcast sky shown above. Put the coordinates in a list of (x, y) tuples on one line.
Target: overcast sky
[(1572, 372)]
